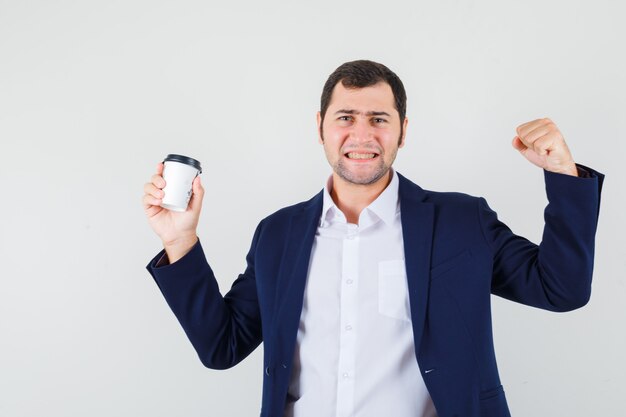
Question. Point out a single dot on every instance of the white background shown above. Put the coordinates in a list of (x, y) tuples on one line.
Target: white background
[(94, 94)]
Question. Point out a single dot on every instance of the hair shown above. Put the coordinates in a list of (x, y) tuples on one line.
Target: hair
[(360, 74)]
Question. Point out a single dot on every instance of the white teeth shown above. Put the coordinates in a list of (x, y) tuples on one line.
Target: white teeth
[(354, 155)]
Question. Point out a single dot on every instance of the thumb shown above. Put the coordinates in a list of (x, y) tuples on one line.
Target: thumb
[(517, 144), (195, 204)]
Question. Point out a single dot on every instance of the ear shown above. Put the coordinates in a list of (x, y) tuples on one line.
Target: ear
[(319, 128), (404, 126)]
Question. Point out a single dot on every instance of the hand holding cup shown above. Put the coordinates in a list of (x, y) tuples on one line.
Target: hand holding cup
[(177, 229)]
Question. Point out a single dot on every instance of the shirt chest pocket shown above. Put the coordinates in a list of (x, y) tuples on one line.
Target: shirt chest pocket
[(393, 292)]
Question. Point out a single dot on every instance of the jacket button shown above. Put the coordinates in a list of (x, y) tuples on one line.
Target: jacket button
[(267, 371)]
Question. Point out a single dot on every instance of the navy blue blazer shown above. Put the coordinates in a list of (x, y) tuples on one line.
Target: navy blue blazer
[(456, 252)]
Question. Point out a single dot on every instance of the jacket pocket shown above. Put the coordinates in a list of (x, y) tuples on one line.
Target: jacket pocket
[(450, 263), (493, 403)]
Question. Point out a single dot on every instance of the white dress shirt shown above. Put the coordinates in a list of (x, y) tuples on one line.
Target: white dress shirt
[(354, 354)]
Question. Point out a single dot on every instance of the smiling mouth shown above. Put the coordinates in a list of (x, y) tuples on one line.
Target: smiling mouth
[(360, 156)]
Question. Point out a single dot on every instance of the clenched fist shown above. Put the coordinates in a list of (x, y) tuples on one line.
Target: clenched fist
[(541, 142)]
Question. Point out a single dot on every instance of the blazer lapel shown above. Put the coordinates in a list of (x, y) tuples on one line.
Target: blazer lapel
[(292, 278), (417, 219)]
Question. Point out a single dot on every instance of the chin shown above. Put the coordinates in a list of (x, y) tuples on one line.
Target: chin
[(362, 179)]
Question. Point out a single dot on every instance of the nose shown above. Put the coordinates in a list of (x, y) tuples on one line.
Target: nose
[(362, 131)]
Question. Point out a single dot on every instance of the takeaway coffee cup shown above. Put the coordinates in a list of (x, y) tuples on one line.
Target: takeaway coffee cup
[(178, 172)]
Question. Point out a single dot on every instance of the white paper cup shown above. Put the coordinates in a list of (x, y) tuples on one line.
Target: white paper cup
[(179, 172)]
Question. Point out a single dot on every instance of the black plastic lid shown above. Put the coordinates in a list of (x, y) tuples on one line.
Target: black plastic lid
[(184, 160)]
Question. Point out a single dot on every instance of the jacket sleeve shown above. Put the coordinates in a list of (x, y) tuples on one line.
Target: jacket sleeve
[(222, 330), (556, 274)]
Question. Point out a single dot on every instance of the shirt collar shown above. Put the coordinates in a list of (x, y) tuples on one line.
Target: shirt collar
[(385, 206)]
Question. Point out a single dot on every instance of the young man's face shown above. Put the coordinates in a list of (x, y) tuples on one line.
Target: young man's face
[(361, 132)]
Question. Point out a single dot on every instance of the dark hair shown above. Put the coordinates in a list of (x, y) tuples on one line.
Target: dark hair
[(360, 74)]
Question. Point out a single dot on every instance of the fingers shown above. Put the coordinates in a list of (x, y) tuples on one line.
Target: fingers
[(153, 191), (150, 198), (197, 196), (525, 128), (541, 146), (158, 181), (539, 135), (536, 133), (518, 144)]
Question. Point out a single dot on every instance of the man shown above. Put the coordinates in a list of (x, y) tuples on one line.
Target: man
[(376, 293)]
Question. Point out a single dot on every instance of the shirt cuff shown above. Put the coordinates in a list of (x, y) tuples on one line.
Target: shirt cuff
[(164, 260), (582, 172)]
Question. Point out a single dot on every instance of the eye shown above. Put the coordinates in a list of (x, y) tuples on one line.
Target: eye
[(378, 120), (344, 118)]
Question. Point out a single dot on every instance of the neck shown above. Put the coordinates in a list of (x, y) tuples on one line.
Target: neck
[(351, 198)]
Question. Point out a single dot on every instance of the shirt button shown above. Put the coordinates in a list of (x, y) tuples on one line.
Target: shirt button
[(348, 327), (345, 375), (267, 371), (349, 281)]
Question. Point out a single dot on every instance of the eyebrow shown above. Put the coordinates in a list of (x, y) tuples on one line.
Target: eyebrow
[(369, 113)]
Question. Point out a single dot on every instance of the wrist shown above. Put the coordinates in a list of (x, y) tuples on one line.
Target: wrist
[(571, 170), (566, 170), (179, 247)]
